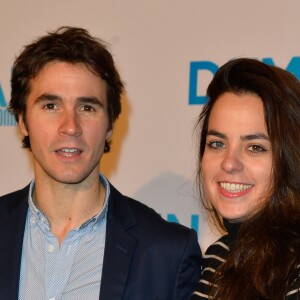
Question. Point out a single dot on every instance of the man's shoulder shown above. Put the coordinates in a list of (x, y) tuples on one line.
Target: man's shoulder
[(155, 232), (146, 214), (151, 224), (11, 200)]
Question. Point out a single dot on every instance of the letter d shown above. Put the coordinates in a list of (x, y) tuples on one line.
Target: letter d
[(195, 68)]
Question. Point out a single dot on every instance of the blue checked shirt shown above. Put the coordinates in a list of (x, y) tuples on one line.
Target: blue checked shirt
[(72, 271)]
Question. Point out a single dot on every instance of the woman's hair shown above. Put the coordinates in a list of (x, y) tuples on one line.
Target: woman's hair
[(66, 44), (263, 262)]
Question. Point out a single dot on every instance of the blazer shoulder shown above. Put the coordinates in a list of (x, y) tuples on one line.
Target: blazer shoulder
[(13, 199), (146, 225), (151, 221)]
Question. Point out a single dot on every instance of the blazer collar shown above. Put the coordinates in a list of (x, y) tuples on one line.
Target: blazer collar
[(119, 247)]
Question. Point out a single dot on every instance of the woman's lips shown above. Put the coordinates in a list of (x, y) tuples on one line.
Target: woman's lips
[(229, 189)]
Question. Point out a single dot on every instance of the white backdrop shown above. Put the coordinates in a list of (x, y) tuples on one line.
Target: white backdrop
[(154, 42)]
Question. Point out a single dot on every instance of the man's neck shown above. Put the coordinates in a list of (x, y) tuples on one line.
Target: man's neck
[(67, 206)]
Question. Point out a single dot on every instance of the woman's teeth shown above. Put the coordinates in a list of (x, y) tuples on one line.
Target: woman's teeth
[(234, 187)]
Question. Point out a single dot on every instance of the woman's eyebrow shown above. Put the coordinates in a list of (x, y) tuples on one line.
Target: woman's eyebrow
[(247, 137), (217, 134), (255, 136)]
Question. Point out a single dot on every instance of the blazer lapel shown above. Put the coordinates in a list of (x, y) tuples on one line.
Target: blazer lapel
[(12, 225), (119, 247)]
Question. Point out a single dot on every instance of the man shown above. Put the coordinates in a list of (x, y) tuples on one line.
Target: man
[(70, 234)]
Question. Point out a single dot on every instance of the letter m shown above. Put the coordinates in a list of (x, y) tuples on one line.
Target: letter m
[(293, 66)]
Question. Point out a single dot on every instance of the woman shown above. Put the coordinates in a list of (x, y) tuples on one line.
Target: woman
[(249, 179)]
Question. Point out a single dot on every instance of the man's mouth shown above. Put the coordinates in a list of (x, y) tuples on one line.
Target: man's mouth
[(68, 151)]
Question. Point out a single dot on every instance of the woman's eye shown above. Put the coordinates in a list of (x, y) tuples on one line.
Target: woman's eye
[(215, 145), (256, 148)]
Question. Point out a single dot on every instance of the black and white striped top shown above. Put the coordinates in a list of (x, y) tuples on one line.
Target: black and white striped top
[(216, 254)]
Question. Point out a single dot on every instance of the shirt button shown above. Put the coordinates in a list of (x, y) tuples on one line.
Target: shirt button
[(51, 298), (51, 249), (32, 220)]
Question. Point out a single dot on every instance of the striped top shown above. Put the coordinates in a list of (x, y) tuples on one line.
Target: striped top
[(216, 254)]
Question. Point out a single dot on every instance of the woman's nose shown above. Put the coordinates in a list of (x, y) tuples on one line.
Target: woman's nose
[(232, 162)]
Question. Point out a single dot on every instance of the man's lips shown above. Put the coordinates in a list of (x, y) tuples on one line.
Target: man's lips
[(68, 151)]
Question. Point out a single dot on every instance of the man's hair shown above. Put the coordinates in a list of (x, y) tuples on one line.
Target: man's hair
[(272, 228), (66, 44)]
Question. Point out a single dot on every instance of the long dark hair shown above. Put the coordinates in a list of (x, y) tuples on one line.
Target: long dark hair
[(263, 263)]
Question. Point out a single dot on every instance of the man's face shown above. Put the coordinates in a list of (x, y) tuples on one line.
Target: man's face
[(67, 123)]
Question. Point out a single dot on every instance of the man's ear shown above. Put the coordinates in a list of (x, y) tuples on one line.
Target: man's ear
[(22, 125), (109, 134)]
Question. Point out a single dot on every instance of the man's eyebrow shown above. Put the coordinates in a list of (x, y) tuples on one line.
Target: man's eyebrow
[(83, 99), (48, 97), (90, 100)]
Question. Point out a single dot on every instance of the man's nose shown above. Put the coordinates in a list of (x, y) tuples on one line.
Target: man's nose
[(70, 124)]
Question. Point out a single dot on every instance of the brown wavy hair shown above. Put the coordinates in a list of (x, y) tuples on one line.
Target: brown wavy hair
[(66, 44), (264, 260)]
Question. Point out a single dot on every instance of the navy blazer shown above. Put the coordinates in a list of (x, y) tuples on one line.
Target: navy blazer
[(145, 257)]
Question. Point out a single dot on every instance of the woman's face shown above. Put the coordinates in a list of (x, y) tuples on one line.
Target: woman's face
[(237, 161)]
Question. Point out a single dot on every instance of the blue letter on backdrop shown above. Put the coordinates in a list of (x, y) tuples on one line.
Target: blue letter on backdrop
[(293, 66), (2, 99), (195, 67), (194, 221)]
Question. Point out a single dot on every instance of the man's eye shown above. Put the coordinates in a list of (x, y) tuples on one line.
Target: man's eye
[(215, 145), (50, 106), (88, 108)]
